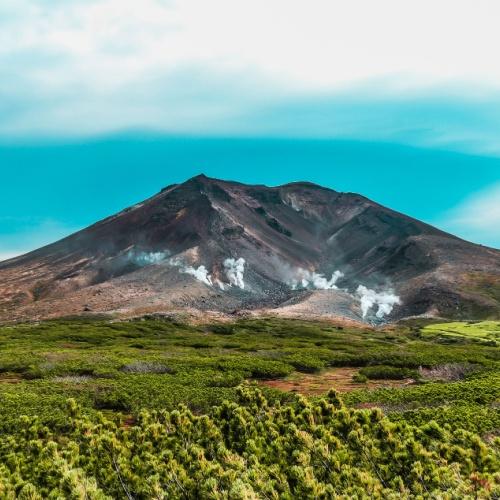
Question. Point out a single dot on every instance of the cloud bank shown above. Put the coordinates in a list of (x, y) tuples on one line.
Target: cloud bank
[(231, 67)]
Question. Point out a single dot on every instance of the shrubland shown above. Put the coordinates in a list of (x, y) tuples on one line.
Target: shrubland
[(154, 408)]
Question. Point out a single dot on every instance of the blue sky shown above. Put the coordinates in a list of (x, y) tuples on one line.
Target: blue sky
[(102, 102)]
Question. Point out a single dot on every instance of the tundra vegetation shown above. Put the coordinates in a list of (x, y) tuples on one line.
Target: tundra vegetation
[(155, 408)]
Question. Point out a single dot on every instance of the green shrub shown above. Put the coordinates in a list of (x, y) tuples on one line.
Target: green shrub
[(270, 370), (305, 363), (359, 378), (137, 345), (231, 379), (249, 448), (384, 372), (223, 329), (112, 400)]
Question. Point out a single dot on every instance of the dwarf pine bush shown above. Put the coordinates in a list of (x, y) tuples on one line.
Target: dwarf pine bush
[(243, 450)]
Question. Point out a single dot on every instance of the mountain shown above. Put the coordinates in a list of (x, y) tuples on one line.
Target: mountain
[(299, 249)]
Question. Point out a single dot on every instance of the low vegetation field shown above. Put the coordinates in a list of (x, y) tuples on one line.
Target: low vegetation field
[(480, 331), (90, 408)]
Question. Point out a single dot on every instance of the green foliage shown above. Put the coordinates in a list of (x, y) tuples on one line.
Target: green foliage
[(382, 372), (360, 378), (115, 400), (223, 329), (303, 362), (43, 364), (486, 331), (252, 444), (483, 389), (478, 418), (245, 449)]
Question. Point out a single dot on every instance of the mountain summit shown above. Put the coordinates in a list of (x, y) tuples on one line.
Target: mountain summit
[(298, 249)]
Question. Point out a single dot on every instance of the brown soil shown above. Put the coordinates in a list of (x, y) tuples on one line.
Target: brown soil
[(128, 422), (10, 378), (339, 379)]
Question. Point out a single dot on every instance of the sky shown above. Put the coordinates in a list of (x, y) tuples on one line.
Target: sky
[(103, 102)]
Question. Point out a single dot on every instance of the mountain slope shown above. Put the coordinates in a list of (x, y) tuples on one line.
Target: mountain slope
[(208, 244)]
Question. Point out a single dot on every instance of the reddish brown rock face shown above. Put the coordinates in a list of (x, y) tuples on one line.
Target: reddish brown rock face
[(131, 263)]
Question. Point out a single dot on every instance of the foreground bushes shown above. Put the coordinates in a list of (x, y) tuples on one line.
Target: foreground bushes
[(245, 450)]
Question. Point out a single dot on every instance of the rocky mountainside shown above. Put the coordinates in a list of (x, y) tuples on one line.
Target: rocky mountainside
[(297, 249)]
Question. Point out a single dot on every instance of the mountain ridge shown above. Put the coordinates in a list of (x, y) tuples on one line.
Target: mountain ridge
[(286, 234)]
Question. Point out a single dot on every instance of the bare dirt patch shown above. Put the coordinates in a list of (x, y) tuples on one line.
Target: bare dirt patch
[(10, 378), (128, 421), (339, 379)]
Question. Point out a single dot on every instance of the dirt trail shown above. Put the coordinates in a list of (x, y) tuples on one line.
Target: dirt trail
[(340, 379)]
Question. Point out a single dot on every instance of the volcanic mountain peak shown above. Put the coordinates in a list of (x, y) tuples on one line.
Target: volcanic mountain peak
[(294, 249)]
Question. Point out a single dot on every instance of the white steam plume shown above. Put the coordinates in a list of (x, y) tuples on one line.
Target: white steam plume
[(298, 278), (146, 258), (311, 279), (235, 268), (200, 273), (385, 301)]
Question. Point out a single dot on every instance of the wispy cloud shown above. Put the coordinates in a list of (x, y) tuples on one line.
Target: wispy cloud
[(22, 235), (477, 218)]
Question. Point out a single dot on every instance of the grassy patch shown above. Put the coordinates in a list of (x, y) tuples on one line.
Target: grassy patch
[(486, 331)]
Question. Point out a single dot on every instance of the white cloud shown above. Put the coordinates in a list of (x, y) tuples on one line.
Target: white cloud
[(94, 66), (318, 43), (30, 234), (477, 218)]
